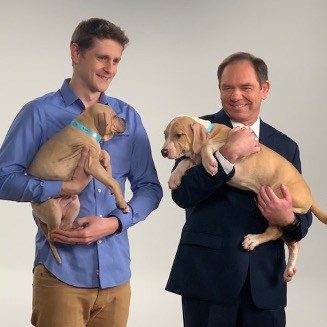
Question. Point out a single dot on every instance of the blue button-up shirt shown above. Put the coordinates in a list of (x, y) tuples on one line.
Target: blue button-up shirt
[(105, 263)]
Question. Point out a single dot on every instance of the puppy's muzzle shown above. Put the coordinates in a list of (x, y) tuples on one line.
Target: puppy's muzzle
[(164, 153)]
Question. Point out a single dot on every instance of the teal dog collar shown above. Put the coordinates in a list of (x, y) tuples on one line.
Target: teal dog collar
[(210, 127), (86, 130)]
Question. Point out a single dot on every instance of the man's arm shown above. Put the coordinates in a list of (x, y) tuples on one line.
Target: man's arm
[(145, 185), (197, 184), (21, 144)]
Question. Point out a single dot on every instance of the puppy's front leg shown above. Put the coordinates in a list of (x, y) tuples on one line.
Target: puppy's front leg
[(176, 176), (209, 162)]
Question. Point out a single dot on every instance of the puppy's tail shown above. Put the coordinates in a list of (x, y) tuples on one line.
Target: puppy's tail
[(319, 213)]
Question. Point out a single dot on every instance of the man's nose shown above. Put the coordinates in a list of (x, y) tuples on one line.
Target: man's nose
[(164, 153), (236, 95), (109, 68)]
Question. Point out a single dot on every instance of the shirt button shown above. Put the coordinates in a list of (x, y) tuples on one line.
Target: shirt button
[(99, 190), (99, 241), (97, 272)]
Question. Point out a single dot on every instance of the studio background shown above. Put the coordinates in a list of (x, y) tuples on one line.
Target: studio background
[(168, 69)]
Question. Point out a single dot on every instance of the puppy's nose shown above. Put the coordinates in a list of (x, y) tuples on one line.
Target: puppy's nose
[(164, 153)]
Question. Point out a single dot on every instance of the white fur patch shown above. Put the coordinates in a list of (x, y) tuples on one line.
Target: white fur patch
[(205, 123)]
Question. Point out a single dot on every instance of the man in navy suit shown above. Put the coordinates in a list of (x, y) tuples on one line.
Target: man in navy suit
[(221, 284)]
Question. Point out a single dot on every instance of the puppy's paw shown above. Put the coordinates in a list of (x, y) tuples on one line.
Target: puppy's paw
[(123, 206), (174, 181), (250, 242), (209, 163), (289, 273)]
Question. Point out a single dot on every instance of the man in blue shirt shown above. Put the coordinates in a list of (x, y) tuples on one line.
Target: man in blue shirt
[(91, 285)]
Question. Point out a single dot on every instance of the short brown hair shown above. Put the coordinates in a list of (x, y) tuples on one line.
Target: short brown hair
[(258, 64), (87, 30)]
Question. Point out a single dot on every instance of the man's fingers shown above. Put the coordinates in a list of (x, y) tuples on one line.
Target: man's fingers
[(271, 194), (84, 156), (256, 149), (82, 221), (286, 193), (70, 240), (262, 196), (76, 233), (234, 130)]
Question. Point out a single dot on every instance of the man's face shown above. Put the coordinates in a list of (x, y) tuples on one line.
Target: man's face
[(240, 92), (96, 67)]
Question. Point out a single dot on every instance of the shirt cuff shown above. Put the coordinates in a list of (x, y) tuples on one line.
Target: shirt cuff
[(292, 232), (124, 218), (227, 166), (50, 189)]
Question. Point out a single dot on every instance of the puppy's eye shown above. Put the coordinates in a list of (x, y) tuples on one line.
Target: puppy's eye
[(179, 135)]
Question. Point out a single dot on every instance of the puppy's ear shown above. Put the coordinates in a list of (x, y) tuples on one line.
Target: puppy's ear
[(200, 136), (103, 123)]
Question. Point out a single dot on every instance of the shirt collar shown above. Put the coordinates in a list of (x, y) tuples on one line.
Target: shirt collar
[(255, 126), (70, 97)]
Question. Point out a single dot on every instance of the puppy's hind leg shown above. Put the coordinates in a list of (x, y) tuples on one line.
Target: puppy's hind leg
[(70, 208), (253, 240), (49, 214), (103, 175), (290, 269)]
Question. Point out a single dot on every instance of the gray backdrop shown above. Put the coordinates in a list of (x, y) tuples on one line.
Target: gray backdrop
[(168, 69)]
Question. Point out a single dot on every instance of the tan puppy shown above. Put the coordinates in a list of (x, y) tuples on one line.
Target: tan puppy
[(188, 136), (59, 156)]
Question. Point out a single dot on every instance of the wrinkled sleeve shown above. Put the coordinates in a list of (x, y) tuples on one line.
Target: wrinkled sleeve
[(143, 178), (20, 145)]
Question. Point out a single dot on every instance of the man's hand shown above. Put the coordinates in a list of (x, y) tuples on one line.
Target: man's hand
[(80, 178), (277, 211), (86, 230), (241, 142)]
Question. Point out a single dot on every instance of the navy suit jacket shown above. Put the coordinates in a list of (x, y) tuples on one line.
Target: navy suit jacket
[(210, 263)]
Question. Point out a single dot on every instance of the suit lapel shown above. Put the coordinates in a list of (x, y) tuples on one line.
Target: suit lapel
[(266, 135), (221, 118)]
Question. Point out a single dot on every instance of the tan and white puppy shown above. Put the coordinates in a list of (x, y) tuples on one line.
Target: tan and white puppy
[(58, 158), (188, 136)]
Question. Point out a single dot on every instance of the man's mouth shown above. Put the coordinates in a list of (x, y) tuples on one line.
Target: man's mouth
[(238, 106), (104, 78)]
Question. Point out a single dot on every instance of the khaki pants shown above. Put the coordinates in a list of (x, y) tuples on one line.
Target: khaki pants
[(56, 304)]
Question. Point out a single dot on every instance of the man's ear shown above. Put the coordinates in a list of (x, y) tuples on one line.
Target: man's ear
[(103, 123), (74, 53), (200, 136), (265, 89)]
